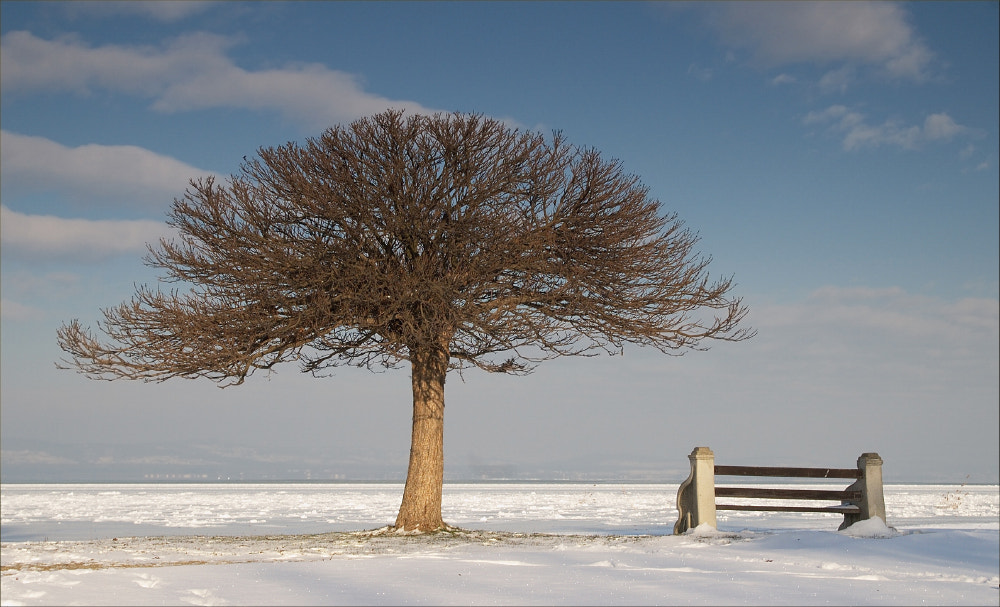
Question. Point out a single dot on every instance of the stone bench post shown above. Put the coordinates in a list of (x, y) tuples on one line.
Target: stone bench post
[(870, 485), (696, 495)]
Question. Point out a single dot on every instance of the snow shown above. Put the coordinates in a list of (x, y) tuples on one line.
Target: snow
[(528, 543), (874, 528)]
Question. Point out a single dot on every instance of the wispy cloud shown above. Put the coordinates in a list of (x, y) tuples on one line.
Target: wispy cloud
[(28, 291), (863, 315), (846, 365), (100, 174), (876, 35), (167, 11), (704, 74), (13, 310), (46, 236), (837, 80), (192, 72), (886, 337), (858, 133), (23, 456)]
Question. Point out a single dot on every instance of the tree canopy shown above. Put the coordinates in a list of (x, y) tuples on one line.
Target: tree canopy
[(446, 241)]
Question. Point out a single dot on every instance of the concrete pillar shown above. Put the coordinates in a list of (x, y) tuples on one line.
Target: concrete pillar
[(696, 495), (873, 501), (870, 485)]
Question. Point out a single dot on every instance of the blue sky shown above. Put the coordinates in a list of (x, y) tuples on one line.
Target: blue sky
[(838, 159)]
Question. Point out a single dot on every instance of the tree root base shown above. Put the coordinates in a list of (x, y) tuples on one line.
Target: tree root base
[(444, 528)]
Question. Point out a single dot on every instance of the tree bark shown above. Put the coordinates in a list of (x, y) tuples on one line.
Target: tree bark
[(421, 507)]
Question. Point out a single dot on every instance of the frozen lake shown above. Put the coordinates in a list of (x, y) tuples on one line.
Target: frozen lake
[(523, 543), (32, 512)]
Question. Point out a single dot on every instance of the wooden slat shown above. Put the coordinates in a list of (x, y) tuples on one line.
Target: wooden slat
[(789, 472), (786, 494), (844, 509)]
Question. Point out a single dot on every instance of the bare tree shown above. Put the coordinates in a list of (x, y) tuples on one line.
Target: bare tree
[(446, 241)]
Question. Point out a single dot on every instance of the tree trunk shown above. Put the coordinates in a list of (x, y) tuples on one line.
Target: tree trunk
[(421, 507)]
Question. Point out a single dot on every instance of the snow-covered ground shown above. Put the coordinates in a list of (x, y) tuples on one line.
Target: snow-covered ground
[(530, 543)]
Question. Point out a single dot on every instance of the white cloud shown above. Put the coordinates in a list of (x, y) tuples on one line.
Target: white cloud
[(98, 173), (192, 72), (837, 80), (783, 79), (68, 64), (942, 127), (830, 113), (46, 236), (863, 135), (858, 133), (873, 34)]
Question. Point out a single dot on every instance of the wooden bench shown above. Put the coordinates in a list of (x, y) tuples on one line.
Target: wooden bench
[(696, 497)]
